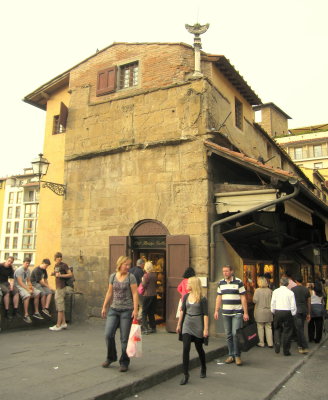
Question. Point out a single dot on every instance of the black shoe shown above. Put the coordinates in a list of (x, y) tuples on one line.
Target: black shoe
[(123, 368), (184, 380), (202, 372), (277, 347), (287, 353), (152, 331)]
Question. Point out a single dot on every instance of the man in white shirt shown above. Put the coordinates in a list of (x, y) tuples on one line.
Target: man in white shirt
[(283, 306)]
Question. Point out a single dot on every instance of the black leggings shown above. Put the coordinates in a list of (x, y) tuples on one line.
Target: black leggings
[(186, 340)]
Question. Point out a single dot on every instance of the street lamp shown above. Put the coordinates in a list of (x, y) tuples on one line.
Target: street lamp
[(40, 168)]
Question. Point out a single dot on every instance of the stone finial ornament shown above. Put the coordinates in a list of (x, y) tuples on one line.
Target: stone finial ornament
[(197, 30)]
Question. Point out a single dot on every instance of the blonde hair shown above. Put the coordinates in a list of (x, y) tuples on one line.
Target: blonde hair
[(195, 288), (262, 282), (149, 266), (121, 260)]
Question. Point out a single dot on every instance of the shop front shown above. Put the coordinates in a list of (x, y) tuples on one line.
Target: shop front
[(150, 240)]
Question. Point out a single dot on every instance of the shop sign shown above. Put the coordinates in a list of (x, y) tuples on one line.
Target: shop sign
[(149, 242)]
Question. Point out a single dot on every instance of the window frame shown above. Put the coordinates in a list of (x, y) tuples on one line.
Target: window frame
[(239, 114), (128, 66)]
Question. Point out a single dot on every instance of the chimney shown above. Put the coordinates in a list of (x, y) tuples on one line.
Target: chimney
[(197, 30), (273, 120)]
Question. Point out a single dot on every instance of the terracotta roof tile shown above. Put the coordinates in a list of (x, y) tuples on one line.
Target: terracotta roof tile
[(249, 160)]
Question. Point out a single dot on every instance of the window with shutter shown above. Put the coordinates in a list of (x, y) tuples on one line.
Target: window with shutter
[(106, 81), (59, 123)]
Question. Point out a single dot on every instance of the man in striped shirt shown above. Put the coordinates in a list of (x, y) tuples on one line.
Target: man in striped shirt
[(231, 297)]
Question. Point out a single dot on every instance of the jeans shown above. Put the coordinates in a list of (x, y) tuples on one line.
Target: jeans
[(283, 329), (299, 321), (231, 324), (315, 329), (118, 318)]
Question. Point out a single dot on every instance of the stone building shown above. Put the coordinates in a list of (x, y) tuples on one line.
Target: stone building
[(146, 148)]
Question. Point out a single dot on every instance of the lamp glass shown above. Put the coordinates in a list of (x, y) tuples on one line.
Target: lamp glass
[(40, 165)]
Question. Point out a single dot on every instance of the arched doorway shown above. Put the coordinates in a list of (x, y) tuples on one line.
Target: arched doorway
[(169, 253), (148, 241)]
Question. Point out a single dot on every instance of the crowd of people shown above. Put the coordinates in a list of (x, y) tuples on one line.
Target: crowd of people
[(131, 296), (23, 284), (285, 309)]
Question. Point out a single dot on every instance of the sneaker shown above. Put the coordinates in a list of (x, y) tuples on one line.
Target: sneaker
[(37, 315), (27, 319), (63, 326), (229, 360), (305, 351), (46, 312), (55, 328)]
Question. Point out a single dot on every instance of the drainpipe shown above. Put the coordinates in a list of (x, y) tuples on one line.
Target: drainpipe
[(242, 214)]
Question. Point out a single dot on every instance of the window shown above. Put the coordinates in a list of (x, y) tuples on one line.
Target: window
[(6, 256), (11, 198), (318, 165), (29, 196), (317, 150), (19, 197), (28, 226), (15, 242), (16, 227), (31, 211), (238, 114), (59, 122), (17, 212), (8, 227), (298, 153), (15, 255), (7, 242), (27, 242), (10, 212), (129, 75), (28, 255), (106, 81)]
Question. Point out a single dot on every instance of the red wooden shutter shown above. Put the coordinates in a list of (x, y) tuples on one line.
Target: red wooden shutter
[(63, 115), (118, 246), (106, 81), (177, 259)]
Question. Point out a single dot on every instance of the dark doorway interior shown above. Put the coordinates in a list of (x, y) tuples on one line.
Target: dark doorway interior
[(158, 258)]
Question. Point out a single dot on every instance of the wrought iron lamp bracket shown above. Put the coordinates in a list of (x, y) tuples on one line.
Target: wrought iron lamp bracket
[(57, 188)]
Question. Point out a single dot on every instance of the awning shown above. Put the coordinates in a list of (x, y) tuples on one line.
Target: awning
[(244, 200), (298, 211)]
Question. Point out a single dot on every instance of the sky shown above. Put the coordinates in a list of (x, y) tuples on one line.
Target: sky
[(278, 46)]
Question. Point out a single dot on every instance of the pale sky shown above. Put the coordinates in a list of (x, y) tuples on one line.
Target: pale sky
[(278, 46)]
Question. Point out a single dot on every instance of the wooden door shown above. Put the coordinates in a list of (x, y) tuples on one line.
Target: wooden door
[(177, 260), (118, 246)]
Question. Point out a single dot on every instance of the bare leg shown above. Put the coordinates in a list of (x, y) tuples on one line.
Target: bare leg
[(16, 300), (43, 301), (36, 303), (6, 301), (26, 303), (60, 318), (48, 300)]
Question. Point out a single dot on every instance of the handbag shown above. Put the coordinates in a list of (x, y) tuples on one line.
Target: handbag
[(141, 289), (134, 347), (247, 336)]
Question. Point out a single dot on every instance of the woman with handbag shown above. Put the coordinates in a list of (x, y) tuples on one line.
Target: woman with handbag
[(149, 300), (317, 313), (122, 292), (262, 313), (193, 326)]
